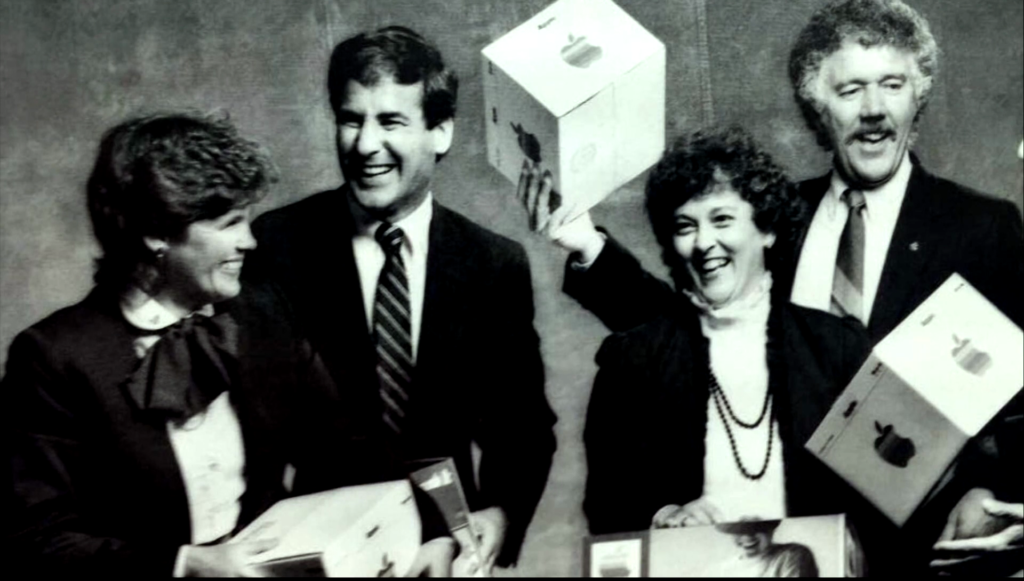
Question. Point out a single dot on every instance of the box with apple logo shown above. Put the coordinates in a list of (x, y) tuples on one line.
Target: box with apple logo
[(578, 89), (372, 530), (928, 387)]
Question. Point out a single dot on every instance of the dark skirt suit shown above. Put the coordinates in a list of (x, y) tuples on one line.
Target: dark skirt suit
[(96, 485), (647, 418)]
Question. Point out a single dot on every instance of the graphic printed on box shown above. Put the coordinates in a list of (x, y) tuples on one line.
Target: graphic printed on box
[(579, 91), (924, 391)]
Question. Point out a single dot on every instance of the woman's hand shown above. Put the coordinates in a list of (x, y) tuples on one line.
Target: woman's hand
[(694, 513), (226, 560), (578, 235)]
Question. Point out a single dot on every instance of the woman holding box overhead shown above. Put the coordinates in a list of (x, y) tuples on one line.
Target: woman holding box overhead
[(150, 421), (700, 416)]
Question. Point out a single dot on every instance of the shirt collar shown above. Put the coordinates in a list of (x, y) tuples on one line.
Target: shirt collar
[(146, 313), (883, 199), (416, 225)]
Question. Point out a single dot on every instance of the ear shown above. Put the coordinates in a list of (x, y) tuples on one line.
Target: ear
[(443, 133), (158, 246)]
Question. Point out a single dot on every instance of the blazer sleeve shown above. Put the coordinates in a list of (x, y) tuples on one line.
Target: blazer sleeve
[(998, 270), (515, 432), (622, 489), (47, 531), (617, 289)]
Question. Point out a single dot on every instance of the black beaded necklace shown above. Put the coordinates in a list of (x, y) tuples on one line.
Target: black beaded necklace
[(720, 399)]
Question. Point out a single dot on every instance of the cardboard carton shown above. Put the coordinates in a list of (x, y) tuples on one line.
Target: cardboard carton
[(358, 531), (806, 546), (929, 386), (580, 90)]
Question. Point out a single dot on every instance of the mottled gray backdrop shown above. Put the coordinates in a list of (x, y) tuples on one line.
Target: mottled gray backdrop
[(69, 70)]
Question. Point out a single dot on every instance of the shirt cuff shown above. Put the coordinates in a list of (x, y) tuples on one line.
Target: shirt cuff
[(179, 561), (578, 261)]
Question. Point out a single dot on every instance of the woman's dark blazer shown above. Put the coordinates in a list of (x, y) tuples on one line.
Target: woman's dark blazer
[(647, 418), (96, 487)]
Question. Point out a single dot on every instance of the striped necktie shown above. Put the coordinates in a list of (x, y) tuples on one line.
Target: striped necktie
[(392, 329), (848, 281)]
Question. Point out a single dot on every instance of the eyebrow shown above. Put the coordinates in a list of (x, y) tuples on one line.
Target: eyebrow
[(862, 81), (897, 77), (392, 116)]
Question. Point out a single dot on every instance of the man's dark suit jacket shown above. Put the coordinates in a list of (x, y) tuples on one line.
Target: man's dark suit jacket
[(942, 228), (96, 488), (478, 377)]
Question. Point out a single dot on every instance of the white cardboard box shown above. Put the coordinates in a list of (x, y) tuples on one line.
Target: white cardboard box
[(929, 386), (580, 89), (798, 547), (355, 531)]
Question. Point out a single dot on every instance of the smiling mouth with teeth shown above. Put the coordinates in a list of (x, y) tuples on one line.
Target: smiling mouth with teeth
[(372, 171), (713, 264), (872, 137)]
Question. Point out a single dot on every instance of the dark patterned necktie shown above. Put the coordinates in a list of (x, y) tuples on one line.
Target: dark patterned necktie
[(392, 329), (848, 281)]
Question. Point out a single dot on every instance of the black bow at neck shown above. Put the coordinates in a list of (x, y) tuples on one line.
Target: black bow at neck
[(190, 365)]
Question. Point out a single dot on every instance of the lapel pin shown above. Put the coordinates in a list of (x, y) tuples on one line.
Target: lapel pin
[(914, 246)]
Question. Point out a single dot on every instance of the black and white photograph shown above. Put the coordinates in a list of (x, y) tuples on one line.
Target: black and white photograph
[(811, 546), (631, 269)]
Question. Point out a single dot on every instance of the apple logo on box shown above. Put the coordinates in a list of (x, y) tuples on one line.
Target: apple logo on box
[(527, 142), (971, 358), (892, 447), (580, 53)]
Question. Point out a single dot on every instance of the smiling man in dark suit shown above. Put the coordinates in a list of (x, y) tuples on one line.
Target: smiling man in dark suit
[(882, 232), (424, 319)]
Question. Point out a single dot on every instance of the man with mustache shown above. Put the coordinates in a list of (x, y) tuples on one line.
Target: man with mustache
[(882, 232), (423, 318)]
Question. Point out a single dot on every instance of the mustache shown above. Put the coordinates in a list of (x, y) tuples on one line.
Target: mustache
[(868, 129)]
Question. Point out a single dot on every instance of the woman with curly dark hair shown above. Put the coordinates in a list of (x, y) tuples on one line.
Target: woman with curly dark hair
[(700, 415)]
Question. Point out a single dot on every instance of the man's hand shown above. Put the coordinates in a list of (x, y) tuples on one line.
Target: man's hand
[(489, 526), (434, 559), (578, 235), (693, 513), (982, 534), (226, 560)]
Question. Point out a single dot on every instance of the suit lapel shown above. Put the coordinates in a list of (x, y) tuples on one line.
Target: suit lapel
[(811, 191), (343, 323), (446, 270), (908, 253)]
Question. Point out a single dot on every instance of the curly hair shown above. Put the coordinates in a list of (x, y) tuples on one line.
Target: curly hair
[(155, 175), (404, 56), (869, 23), (694, 164)]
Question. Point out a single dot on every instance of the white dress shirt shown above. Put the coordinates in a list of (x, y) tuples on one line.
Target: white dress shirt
[(737, 344), (812, 285), (370, 259), (208, 446)]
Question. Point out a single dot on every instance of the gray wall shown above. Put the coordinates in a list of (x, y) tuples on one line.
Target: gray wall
[(69, 70)]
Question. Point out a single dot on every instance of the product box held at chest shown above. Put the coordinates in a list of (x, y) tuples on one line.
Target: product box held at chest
[(372, 530), (579, 90), (926, 389)]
